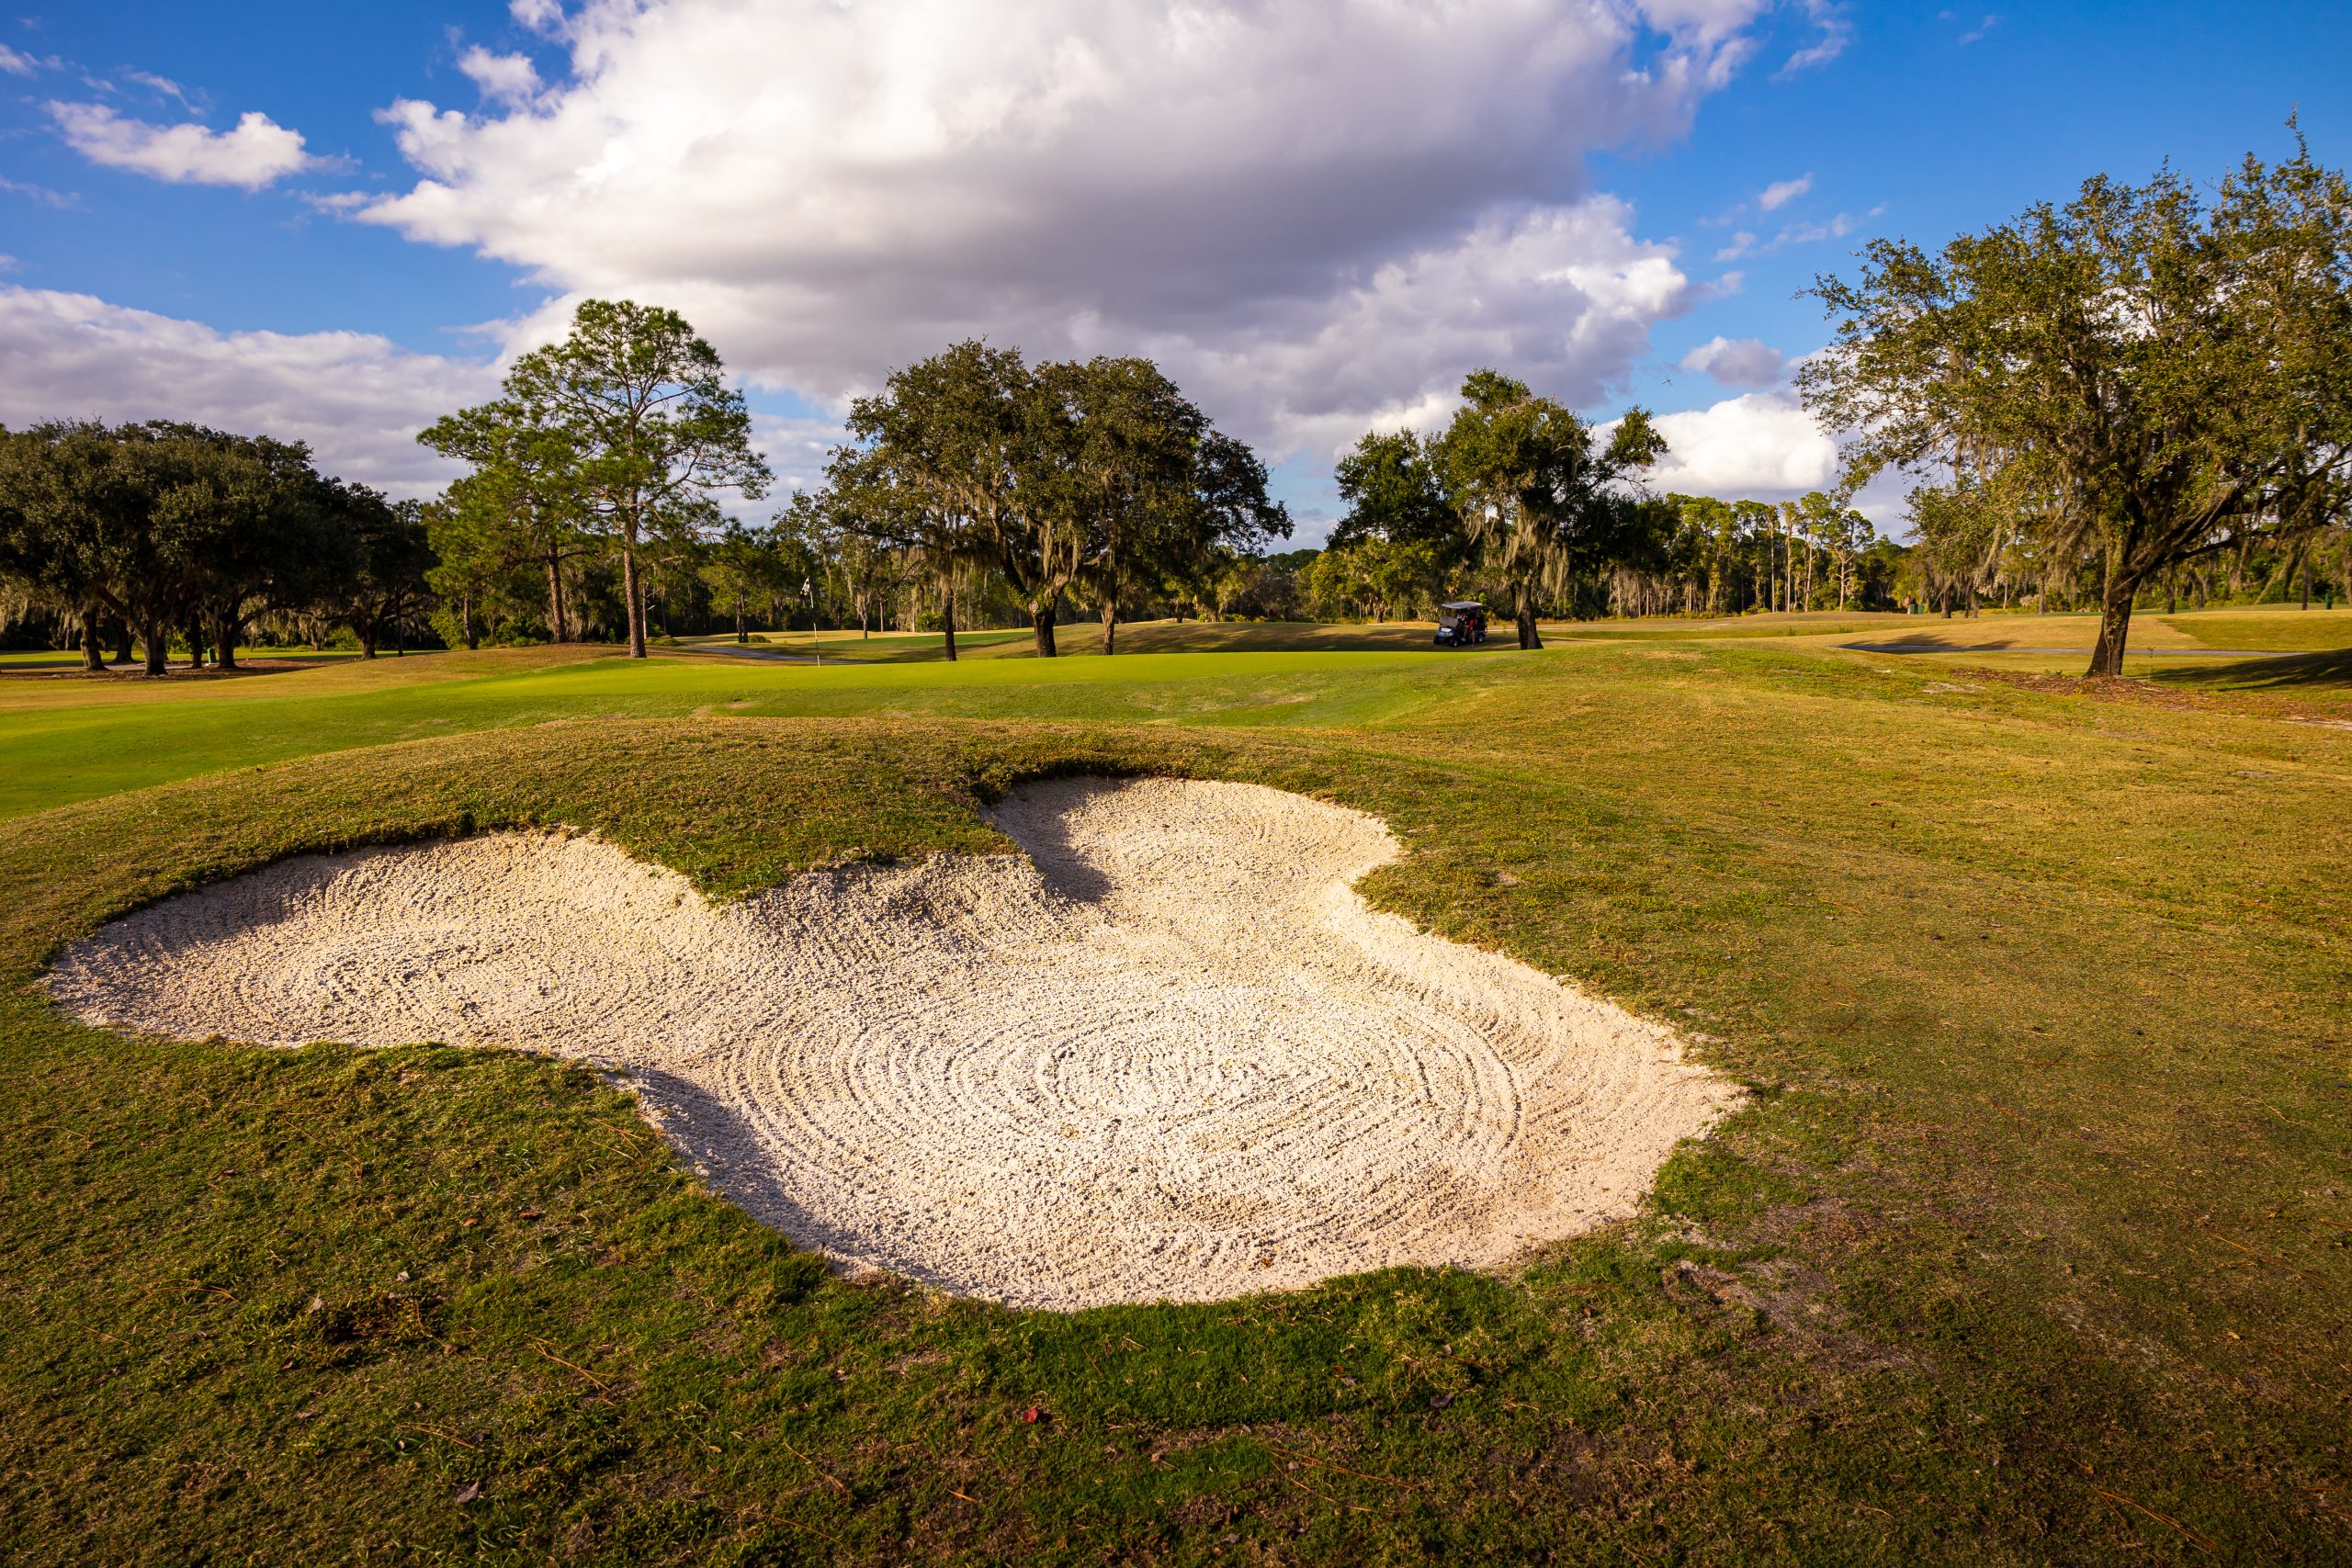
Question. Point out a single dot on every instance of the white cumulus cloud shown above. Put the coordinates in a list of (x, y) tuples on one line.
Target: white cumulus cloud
[(539, 16), (1561, 295), (1759, 447), (503, 78), (1742, 361), (1707, 19), (16, 64), (797, 451), (1779, 193), (357, 398), (1315, 214), (256, 152)]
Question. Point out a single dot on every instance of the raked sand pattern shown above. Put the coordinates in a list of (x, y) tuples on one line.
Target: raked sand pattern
[(1167, 1054)]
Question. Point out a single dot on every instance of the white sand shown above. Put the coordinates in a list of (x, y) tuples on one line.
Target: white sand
[(1169, 1054)]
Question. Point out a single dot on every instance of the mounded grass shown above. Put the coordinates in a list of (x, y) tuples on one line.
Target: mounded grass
[(2284, 627), (64, 741), (72, 739), (2032, 1247)]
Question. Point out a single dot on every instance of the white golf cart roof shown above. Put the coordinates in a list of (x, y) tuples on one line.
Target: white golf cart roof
[(1461, 604)]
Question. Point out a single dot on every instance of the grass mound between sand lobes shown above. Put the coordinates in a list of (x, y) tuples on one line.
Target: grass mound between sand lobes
[(1167, 1054)]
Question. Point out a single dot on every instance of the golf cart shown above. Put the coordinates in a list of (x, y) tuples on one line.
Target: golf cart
[(1460, 623)]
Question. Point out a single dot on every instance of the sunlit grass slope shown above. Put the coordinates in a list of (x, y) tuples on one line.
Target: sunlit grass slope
[(64, 740), (2033, 1247), (72, 740)]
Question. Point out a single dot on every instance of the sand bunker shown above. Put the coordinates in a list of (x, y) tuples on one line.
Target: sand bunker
[(1169, 1054)]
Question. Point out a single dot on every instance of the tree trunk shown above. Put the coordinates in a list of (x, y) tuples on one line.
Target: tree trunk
[(635, 591), (122, 640), (155, 650), (1041, 625), (947, 617), (2114, 627), (1110, 622), (742, 634), (1528, 635), (555, 596), (367, 630), (94, 653), (224, 638), (194, 632)]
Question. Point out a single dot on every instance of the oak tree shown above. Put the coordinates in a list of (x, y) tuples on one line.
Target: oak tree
[(1536, 489), (2172, 372)]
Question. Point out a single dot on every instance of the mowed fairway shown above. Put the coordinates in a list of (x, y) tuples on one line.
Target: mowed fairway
[(2034, 1244)]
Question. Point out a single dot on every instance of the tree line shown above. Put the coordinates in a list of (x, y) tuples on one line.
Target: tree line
[(975, 489), (137, 536), (1518, 501), (2141, 396), (1585, 538), (974, 484)]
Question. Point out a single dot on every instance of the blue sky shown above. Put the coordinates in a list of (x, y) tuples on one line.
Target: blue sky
[(1316, 229)]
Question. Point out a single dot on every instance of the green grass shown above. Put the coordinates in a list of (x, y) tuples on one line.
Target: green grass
[(2283, 628), (64, 743), (47, 659), (2031, 1248), (2314, 677), (1084, 640), (61, 741), (886, 647)]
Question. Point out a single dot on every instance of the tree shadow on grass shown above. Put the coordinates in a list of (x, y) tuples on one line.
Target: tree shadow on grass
[(1266, 637), (2299, 671)]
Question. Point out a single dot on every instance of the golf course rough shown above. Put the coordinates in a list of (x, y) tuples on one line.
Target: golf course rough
[(1169, 1054)]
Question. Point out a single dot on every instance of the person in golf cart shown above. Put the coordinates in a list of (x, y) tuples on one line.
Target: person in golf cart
[(1460, 623)]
